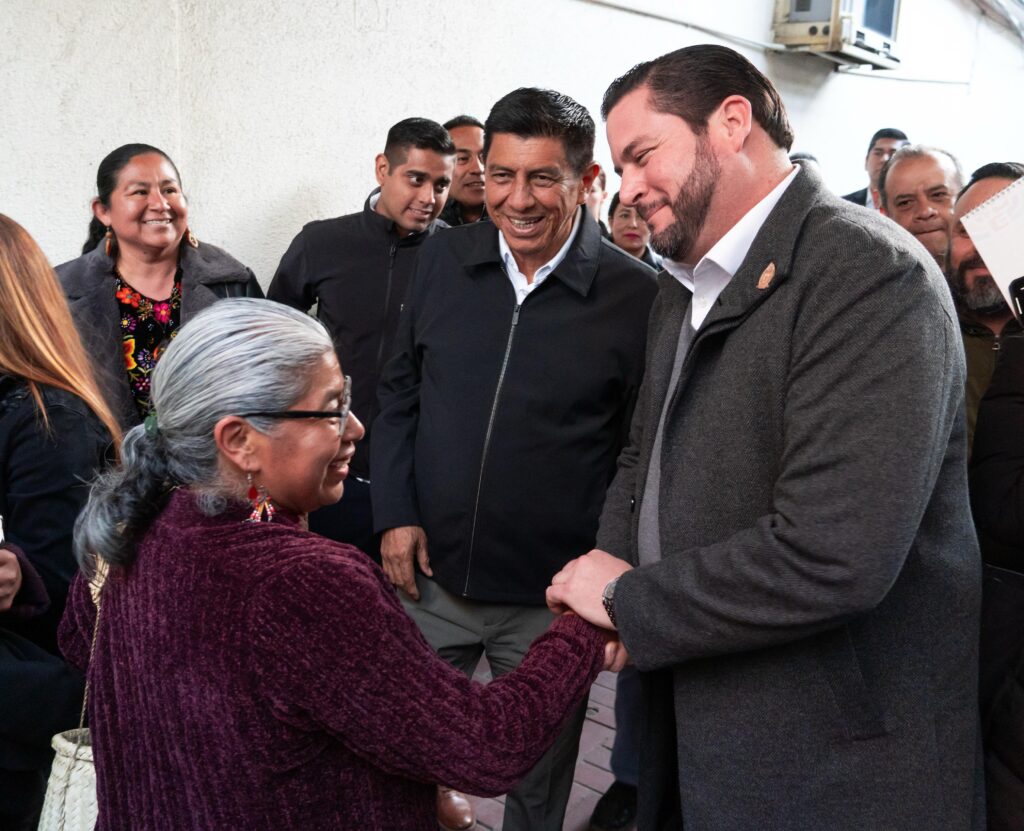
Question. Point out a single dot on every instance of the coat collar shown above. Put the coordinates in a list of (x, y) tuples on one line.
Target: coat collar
[(770, 258), (578, 270)]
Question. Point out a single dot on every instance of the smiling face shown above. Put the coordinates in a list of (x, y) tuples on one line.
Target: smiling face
[(413, 192), (147, 210), (970, 281), (629, 231), (468, 178), (532, 196), (919, 197), (669, 173), (303, 462)]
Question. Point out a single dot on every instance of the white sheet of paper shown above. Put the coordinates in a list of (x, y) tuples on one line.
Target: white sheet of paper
[(996, 227)]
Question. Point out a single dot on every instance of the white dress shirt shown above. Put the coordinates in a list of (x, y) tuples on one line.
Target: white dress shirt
[(519, 282), (709, 277)]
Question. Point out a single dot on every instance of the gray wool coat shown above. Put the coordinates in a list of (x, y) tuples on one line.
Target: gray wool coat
[(208, 273), (808, 641)]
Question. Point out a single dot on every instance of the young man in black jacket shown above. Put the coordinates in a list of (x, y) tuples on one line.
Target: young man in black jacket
[(356, 268), (517, 360)]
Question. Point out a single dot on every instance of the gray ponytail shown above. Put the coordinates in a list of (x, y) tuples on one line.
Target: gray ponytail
[(239, 355)]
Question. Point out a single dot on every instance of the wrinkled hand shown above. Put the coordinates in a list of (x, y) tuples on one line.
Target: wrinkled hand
[(615, 655), (398, 548), (10, 578), (578, 587)]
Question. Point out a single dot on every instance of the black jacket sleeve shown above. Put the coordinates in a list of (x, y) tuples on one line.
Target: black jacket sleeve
[(291, 284), (45, 484), (393, 443), (997, 461)]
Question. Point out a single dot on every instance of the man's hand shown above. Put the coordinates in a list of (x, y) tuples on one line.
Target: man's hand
[(398, 548), (10, 578), (578, 587), (615, 655)]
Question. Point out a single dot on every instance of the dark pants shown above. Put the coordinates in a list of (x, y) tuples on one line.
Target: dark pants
[(625, 751), (350, 519), (461, 631)]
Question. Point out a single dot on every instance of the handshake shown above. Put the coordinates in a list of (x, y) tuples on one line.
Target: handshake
[(579, 589)]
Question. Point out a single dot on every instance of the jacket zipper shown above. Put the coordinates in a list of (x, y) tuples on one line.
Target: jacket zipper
[(487, 441)]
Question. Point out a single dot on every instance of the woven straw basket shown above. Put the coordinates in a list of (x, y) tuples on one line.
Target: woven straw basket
[(71, 792)]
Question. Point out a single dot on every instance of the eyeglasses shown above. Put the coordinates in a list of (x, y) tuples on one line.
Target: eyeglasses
[(341, 415)]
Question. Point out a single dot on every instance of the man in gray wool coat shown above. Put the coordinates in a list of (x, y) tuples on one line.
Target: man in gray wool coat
[(786, 550)]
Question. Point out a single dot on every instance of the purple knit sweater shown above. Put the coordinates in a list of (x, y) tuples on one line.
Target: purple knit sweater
[(257, 676)]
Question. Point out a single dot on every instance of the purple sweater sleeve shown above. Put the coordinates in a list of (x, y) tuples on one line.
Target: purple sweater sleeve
[(75, 633), (332, 647)]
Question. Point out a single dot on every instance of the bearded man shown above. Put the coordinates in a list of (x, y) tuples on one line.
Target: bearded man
[(985, 319), (786, 550)]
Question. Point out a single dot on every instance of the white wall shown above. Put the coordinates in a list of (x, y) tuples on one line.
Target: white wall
[(274, 111)]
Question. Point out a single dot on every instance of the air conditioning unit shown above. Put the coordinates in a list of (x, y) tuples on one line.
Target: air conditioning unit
[(844, 31)]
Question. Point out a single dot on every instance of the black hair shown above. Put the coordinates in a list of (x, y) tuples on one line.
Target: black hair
[(915, 151), (463, 121), (602, 178), (106, 180), (886, 133), (421, 133), (692, 82), (613, 205), (994, 170), (529, 112)]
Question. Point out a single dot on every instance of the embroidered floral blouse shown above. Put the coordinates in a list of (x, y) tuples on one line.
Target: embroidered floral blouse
[(147, 327)]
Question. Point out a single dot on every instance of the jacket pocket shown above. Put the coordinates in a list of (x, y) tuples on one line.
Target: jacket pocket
[(860, 712)]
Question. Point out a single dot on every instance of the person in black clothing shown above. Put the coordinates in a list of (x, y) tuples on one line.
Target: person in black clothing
[(883, 144), (518, 357), (356, 268), (466, 198), (56, 431)]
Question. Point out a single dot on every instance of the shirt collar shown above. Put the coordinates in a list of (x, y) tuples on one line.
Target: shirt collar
[(510, 261), (730, 251)]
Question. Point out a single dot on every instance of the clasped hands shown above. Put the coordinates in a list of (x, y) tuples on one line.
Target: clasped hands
[(576, 589), (579, 588)]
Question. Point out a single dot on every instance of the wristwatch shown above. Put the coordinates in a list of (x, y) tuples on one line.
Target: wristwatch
[(608, 599)]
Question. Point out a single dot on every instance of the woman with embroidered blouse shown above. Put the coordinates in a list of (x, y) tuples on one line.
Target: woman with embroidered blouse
[(142, 273), (248, 673)]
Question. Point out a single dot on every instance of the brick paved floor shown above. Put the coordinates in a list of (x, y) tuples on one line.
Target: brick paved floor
[(593, 775)]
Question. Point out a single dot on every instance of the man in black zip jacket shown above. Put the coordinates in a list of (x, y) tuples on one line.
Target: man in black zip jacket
[(356, 268), (518, 357)]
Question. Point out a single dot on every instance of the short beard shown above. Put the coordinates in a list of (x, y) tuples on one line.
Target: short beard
[(981, 300), (691, 205)]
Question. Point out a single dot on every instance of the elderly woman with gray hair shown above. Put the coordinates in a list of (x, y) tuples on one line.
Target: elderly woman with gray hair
[(247, 673)]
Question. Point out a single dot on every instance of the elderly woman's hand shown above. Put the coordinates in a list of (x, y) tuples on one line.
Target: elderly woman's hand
[(10, 578)]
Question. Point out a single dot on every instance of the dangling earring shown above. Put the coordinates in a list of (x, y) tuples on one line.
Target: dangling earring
[(108, 240), (191, 238), (262, 508)]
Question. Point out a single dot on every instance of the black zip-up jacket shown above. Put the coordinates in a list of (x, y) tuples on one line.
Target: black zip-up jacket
[(500, 424), (356, 269)]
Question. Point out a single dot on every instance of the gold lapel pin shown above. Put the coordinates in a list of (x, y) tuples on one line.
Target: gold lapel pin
[(766, 276)]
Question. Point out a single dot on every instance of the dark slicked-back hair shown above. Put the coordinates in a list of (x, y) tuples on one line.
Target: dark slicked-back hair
[(994, 170), (421, 133), (529, 112), (886, 133), (692, 82), (463, 121), (916, 151)]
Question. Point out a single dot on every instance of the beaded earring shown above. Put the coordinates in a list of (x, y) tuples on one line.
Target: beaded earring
[(108, 244), (191, 238), (262, 508)]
